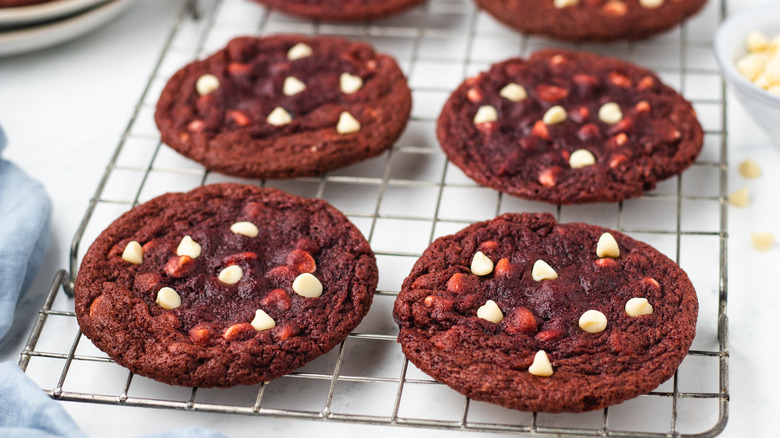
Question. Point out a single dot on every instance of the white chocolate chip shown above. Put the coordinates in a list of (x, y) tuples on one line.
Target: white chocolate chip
[(279, 116), (350, 83), (593, 321), (756, 42), (206, 84), (481, 264), (168, 298), (554, 115), (188, 247), (245, 228), (581, 158), (347, 124), (752, 64), (638, 306), (749, 169), (610, 113), (541, 366), (565, 3), (307, 285), (513, 92), (262, 321), (133, 253), (762, 241), (231, 275), (292, 86), (485, 114), (490, 311), (298, 51), (651, 3), (607, 246), (543, 271), (740, 198)]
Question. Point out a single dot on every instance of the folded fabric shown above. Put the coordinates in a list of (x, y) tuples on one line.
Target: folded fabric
[(25, 210)]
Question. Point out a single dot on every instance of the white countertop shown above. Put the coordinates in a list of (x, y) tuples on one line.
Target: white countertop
[(64, 109)]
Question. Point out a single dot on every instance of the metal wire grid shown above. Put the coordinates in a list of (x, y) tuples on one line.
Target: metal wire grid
[(413, 190)]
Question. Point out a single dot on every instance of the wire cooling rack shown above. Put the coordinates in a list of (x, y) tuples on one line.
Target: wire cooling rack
[(401, 201)]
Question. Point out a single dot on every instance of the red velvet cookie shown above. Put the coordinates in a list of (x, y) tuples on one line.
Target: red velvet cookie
[(18, 3), (569, 127), (224, 285), (285, 106), (592, 20), (340, 10), (538, 316)]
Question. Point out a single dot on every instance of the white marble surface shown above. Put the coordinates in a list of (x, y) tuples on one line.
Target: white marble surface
[(64, 109)]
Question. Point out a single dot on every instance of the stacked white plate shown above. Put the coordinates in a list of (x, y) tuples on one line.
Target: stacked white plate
[(28, 28)]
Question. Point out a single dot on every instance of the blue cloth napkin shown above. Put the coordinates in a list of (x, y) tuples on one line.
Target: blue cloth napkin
[(25, 211)]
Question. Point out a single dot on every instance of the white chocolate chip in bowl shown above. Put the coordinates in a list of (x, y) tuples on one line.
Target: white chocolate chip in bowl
[(231, 275), (307, 285), (299, 51), (347, 124), (188, 247), (610, 113), (245, 229), (133, 253), (541, 366), (593, 321), (262, 321), (490, 312), (206, 84), (292, 86), (350, 83), (607, 246), (513, 92), (554, 115), (581, 158), (481, 264), (542, 271), (279, 116), (485, 114), (168, 298), (638, 306)]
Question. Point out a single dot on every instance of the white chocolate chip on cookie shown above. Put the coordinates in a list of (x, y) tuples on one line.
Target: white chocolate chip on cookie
[(490, 312), (607, 246), (481, 264), (347, 124), (554, 115), (231, 275), (543, 271), (565, 3), (307, 285), (279, 116), (485, 114), (292, 86), (610, 113), (133, 253), (168, 298), (513, 92), (350, 83), (262, 321), (581, 158), (245, 229), (541, 366), (593, 321), (206, 84), (298, 51), (188, 247), (638, 306)]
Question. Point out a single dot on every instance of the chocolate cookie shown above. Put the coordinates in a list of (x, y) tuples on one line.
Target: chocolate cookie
[(227, 284), (534, 315), (285, 106), (340, 10), (592, 20), (569, 127)]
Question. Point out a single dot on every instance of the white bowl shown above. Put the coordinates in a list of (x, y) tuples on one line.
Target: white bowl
[(729, 42)]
